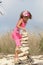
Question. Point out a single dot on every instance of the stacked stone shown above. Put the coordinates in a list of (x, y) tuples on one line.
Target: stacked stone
[(25, 47)]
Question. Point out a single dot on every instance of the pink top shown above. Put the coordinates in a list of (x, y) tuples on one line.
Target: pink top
[(23, 24)]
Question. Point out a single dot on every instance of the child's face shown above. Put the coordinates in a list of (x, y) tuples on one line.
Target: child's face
[(26, 18)]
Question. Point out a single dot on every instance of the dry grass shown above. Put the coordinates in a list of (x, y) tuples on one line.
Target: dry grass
[(7, 45)]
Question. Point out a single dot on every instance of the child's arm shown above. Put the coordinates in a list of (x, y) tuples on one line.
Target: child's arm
[(19, 23)]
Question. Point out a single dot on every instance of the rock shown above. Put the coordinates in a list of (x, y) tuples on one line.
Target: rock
[(10, 60)]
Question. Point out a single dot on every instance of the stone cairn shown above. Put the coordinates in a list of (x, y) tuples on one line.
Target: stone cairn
[(24, 55), (25, 47)]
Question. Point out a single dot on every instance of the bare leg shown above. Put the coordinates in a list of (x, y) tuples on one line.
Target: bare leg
[(16, 54)]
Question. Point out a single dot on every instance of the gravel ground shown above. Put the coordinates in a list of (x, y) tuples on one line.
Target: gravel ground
[(9, 60)]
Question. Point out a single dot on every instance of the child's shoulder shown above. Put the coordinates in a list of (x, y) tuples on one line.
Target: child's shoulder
[(20, 20)]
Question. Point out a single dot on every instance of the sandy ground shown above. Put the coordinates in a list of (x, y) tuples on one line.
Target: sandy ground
[(9, 60)]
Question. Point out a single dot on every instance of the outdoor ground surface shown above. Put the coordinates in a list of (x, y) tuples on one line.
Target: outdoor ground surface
[(9, 60)]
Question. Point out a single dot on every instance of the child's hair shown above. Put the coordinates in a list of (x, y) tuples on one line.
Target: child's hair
[(26, 14)]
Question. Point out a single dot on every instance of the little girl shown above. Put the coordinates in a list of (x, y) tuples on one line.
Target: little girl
[(24, 16)]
